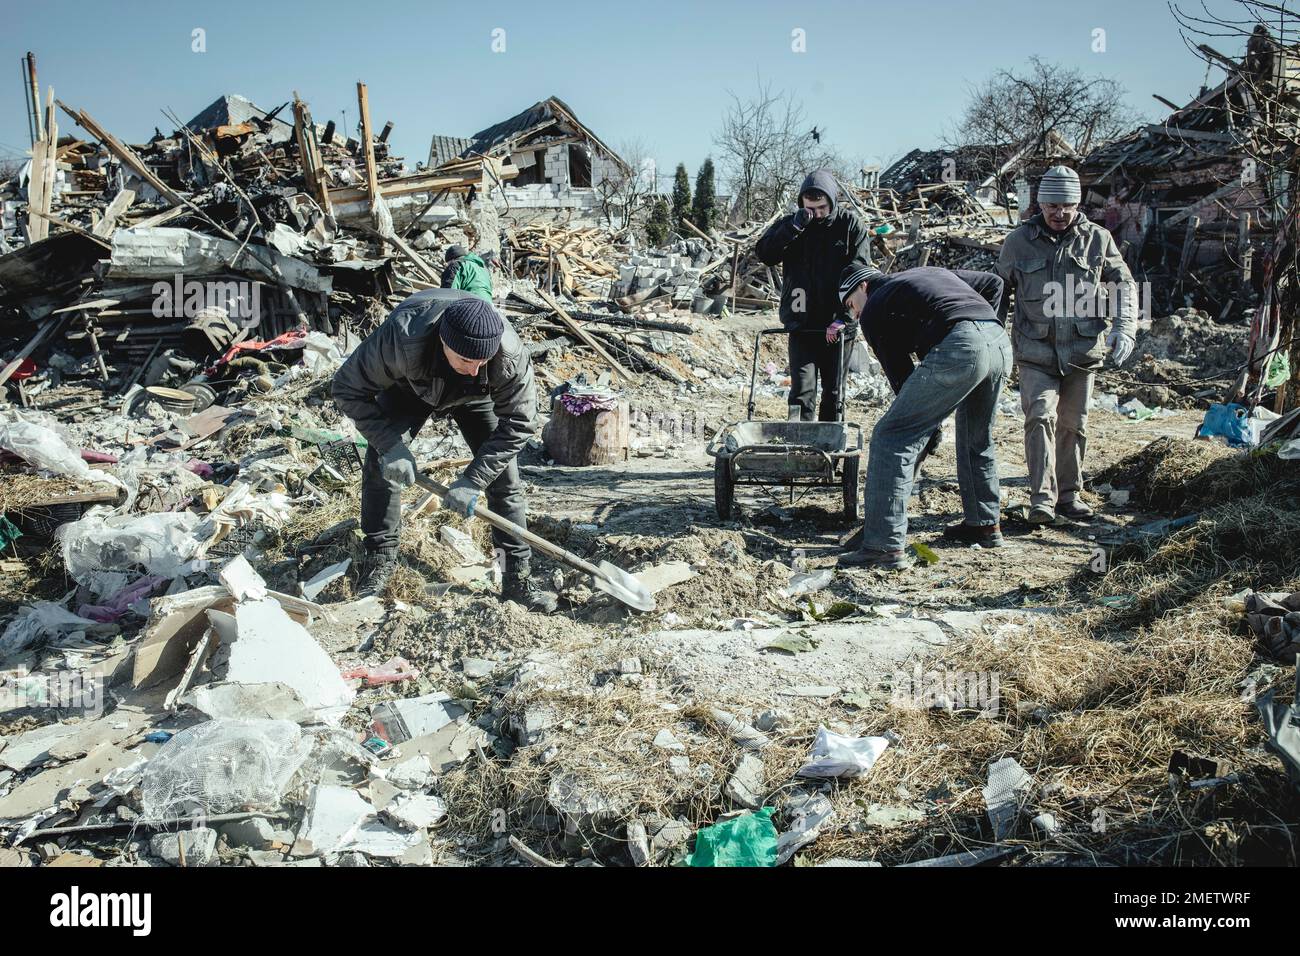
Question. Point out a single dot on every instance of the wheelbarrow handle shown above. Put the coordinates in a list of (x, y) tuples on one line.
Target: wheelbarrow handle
[(514, 530)]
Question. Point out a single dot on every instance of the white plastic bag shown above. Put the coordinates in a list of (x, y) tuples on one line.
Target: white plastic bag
[(834, 755)]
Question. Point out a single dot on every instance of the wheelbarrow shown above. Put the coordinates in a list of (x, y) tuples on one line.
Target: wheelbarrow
[(790, 454)]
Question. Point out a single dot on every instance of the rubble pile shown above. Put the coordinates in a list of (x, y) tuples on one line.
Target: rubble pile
[(238, 228)]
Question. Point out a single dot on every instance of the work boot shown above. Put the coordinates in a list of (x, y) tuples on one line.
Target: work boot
[(1075, 510), (873, 558), (517, 585), (1040, 515), (379, 570), (985, 535)]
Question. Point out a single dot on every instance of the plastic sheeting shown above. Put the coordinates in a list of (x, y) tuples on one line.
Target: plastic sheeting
[(44, 448), (158, 544), (224, 765), (43, 619), (834, 755)]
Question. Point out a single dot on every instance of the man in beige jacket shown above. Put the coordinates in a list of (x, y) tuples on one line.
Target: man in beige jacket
[(1070, 284)]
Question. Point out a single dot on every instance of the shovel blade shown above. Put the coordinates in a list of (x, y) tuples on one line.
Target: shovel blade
[(626, 587)]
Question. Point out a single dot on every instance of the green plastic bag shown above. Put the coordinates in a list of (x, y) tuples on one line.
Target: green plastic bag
[(748, 840), (1279, 370), (8, 532)]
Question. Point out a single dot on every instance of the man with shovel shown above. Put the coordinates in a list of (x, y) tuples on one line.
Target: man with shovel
[(443, 353)]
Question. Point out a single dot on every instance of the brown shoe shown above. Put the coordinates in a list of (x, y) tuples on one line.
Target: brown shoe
[(1075, 510), (985, 535), (1041, 515)]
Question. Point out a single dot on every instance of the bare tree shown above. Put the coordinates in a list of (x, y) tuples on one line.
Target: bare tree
[(10, 167), (766, 148), (1015, 109), (623, 194)]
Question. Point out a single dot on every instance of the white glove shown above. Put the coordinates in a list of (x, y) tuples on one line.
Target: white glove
[(1121, 346)]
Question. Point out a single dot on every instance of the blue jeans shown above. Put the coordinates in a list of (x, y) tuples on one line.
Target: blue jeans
[(963, 373)]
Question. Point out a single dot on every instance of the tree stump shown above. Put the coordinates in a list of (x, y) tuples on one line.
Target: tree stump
[(592, 438)]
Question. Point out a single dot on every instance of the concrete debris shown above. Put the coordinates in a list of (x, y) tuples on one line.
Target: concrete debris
[(190, 622), (1008, 783), (192, 847), (745, 787)]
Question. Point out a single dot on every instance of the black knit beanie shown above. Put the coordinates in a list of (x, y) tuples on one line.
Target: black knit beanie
[(471, 328)]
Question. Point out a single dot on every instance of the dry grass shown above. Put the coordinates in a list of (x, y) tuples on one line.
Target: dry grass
[(1175, 475), (21, 491), (325, 534)]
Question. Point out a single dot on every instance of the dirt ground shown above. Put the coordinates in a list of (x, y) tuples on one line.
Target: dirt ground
[(597, 723)]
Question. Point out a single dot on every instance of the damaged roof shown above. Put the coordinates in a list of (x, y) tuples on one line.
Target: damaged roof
[(500, 137), (231, 109)]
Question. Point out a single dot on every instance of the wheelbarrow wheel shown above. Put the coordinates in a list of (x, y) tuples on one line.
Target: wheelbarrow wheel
[(851, 487), (724, 489)]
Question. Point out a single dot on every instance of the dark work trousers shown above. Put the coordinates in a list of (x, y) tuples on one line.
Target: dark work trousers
[(381, 500), (811, 355)]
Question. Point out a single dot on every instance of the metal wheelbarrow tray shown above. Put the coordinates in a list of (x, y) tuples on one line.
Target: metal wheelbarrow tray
[(791, 454)]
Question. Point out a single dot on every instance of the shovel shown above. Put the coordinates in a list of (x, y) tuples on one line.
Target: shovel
[(609, 578)]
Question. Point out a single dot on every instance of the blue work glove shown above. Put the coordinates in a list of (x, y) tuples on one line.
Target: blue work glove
[(462, 497), (398, 465), (1121, 346), (802, 216)]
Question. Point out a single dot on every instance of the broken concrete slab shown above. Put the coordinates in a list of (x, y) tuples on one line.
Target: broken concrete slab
[(32, 748), (745, 786), (270, 701), (191, 847), (272, 647)]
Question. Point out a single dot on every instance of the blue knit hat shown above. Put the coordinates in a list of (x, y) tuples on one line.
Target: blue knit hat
[(471, 328)]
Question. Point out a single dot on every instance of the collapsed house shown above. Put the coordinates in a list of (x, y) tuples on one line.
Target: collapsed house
[(564, 169)]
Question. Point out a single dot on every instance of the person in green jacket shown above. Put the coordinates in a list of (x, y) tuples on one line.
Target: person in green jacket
[(467, 271)]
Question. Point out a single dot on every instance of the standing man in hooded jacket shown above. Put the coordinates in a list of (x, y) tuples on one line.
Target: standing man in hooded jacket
[(814, 245)]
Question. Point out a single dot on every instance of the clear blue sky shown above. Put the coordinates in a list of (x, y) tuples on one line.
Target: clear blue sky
[(879, 76)]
